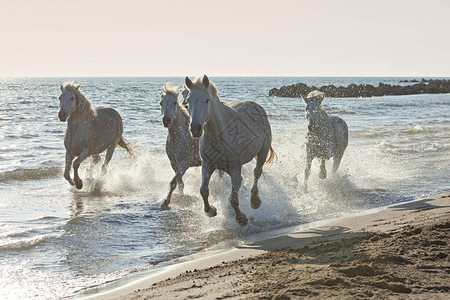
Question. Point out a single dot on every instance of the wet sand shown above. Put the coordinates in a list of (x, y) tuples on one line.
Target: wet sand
[(399, 252)]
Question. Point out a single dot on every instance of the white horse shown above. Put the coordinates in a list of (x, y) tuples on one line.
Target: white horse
[(181, 147), (90, 131), (184, 94), (327, 136), (230, 135)]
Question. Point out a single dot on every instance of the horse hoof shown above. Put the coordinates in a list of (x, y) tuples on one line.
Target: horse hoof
[(242, 219), (69, 180), (79, 184), (212, 212), (255, 201), (323, 175), (165, 206)]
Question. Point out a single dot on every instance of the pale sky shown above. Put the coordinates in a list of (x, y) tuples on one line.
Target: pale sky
[(224, 38)]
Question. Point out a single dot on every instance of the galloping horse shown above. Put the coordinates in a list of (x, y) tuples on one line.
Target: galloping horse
[(181, 147), (327, 136), (90, 131), (230, 135)]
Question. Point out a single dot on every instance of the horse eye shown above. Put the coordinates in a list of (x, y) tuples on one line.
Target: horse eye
[(207, 100), (71, 98)]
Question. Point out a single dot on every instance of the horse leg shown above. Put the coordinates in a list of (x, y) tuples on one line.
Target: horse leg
[(210, 210), (255, 201), (69, 159), (180, 184), (173, 184), (76, 164), (323, 170), (95, 159), (336, 162), (109, 154), (236, 181), (309, 159)]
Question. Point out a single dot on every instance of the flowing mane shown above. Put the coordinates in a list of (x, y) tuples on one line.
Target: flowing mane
[(172, 90), (169, 89), (83, 103)]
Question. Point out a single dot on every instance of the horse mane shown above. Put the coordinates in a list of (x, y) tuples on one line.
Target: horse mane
[(170, 89), (211, 89), (83, 103)]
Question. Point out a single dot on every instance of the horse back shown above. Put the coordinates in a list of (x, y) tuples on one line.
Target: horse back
[(108, 119), (341, 131), (107, 128), (252, 114)]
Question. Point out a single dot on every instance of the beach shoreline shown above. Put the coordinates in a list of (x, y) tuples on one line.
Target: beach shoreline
[(242, 271)]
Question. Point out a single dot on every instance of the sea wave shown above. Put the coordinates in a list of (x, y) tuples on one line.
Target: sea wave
[(434, 132), (419, 129), (370, 133), (426, 148), (342, 112), (30, 174), (10, 244)]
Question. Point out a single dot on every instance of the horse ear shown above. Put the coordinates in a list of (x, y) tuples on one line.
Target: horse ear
[(77, 86), (188, 83), (205, 81), (304, 99), (62, 89)]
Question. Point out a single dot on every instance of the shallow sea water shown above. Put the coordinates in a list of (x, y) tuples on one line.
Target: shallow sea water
[(56, 241)]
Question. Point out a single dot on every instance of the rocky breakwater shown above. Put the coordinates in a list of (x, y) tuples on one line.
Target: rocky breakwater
[(432, 86)]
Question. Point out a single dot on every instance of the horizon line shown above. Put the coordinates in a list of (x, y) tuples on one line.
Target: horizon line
[(256, 76)]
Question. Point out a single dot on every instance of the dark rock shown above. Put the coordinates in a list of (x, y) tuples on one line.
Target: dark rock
[(432, 86), (412, 80)]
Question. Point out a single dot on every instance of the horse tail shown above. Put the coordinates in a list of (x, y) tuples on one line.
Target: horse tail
[(273, 157), (124, 144)]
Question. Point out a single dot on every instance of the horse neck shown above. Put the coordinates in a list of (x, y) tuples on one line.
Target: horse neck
[(216, 122), (322, 130), (83, 114), (180, 125)]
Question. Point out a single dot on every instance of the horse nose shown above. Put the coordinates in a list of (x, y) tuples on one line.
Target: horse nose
[(166, 121), (62, 116), (196, 129)]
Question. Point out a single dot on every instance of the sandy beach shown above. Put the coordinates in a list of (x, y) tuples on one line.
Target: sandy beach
[(397, 252)]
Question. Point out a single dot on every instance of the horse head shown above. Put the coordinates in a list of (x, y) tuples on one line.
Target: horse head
[(200, 94), (314, 112), (168, 104), (68, 100)]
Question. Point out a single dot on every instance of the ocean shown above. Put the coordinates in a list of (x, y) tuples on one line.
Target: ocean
[(56, 241)]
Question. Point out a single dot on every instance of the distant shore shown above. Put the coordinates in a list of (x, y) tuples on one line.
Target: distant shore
[(431, 86), (400, 251)]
